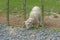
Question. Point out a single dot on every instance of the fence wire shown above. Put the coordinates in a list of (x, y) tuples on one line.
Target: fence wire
[(8, 12), (14, 12)]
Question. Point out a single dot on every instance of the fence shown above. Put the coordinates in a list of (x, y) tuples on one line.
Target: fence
[(14, 12)]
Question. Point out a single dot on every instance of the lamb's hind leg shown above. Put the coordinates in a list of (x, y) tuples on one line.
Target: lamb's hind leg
[(37, 22), (40, 23)]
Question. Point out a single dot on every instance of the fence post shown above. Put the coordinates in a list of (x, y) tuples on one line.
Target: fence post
[(24, 9), (8, 12), (42, 5)]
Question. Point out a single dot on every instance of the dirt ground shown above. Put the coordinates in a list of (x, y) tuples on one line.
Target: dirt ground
[(50, 21), (13, 19)]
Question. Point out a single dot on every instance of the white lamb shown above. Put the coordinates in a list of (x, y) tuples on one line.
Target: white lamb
[(34, 18)]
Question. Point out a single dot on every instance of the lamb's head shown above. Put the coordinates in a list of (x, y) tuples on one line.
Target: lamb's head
[(28, 23)]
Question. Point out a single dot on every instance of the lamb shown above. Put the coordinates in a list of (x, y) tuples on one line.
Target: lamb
[(34, 17)]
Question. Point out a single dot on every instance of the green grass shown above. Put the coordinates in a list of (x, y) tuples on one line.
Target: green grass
[(55, 29), (17, 5)]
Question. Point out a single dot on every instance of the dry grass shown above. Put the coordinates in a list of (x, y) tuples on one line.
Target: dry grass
[(13, 19), (50, 21)]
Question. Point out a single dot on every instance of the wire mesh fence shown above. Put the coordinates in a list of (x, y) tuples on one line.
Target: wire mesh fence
[(15, 12)]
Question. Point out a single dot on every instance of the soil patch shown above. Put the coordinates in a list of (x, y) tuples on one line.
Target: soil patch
[(50, 21)]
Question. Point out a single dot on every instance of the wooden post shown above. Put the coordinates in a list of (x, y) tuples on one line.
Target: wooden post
[(42, 5), (8, 12), (24, 9)]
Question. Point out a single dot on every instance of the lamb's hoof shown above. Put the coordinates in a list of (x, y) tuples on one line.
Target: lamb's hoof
[(40, 25), (28, 28)]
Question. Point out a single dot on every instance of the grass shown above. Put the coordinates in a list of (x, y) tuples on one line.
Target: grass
[(17, 5), (55, 29)]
